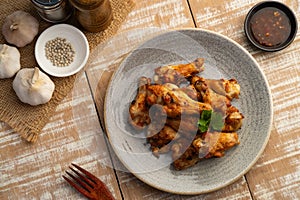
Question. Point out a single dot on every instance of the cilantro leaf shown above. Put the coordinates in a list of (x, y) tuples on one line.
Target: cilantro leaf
[(217, 121), (214, 119), (206, 115), (203, 129), (204, 120)]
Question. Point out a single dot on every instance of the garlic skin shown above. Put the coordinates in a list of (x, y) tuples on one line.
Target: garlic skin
[(33, 86), (20, 28), (9, 61)]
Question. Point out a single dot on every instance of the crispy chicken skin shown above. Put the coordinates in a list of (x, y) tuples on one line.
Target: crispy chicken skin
[(187, 126), (175, 102), (169, 113), (217, 143), (213, 145), (213, 93), (184, 156), (159, 140), (138, 110), (178, 74), (228, 88), (191, 91), (233, 120)]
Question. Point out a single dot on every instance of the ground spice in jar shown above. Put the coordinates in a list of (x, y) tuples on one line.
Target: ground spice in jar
[(60, 52), (93, 15)]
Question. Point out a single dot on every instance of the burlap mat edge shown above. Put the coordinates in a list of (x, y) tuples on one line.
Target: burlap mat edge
[(30, 132)]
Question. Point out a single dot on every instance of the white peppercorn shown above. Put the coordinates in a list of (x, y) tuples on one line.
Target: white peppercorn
[(60, 52)]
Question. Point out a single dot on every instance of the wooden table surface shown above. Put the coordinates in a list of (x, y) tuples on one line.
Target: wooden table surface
[(75, 134)]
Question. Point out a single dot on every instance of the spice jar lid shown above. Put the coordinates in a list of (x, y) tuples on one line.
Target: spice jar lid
[(86, 4), (46, 2), (270, 26)]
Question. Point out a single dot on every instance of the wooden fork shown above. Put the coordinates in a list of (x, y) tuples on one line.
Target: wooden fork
[(88, 184)]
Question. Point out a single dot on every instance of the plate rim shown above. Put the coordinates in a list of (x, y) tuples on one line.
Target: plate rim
[(250, 165)]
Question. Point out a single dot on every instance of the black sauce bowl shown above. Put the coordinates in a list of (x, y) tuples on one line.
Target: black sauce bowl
[(282, 7)]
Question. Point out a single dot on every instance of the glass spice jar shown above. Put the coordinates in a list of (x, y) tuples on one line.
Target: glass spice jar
[(54, 11), (93, 15)]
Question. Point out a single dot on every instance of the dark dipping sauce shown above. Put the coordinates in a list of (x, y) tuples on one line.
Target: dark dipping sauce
[(270, 26)]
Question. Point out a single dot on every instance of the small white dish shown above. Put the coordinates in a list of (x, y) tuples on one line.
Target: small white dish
[(73, 36)]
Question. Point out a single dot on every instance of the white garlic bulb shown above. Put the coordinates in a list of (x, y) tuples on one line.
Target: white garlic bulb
[(33, 86), (9, 61), (20, 28)]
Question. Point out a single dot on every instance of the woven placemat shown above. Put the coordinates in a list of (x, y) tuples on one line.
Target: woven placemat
[(28, 120)]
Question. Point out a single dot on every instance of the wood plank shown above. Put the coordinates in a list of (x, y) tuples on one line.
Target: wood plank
[(166, 14), (276, 175), (34, 171), (106, 59)]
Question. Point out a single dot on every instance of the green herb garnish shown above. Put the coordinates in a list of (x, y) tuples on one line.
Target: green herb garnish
[(217, 121), (207, 117), (204, 120)]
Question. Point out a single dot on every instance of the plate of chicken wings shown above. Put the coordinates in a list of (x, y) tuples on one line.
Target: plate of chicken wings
[(188, 111)]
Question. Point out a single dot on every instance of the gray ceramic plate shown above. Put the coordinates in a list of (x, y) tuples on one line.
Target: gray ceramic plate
[(224, 58)]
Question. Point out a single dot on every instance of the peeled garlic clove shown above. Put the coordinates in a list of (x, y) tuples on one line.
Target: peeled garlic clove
[(33, 86), (9, 61), (20, 28)]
